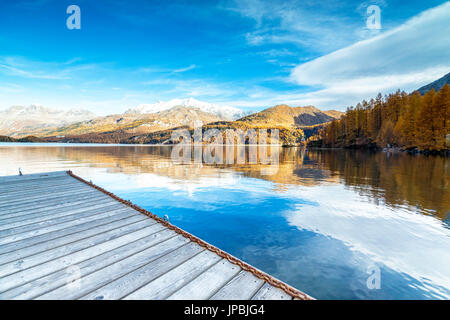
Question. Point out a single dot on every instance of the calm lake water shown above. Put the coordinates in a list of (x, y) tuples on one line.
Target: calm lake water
[(322, 221)]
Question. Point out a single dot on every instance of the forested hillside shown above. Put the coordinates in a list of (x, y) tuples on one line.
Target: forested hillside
[(399, 119)]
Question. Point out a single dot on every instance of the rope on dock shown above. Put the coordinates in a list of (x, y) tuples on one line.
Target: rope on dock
[(258, 273)]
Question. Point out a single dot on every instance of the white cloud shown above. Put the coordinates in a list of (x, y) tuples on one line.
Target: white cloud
[(165, 70), (406, 58), (25, 68), (306, 23), (390, 237), (15, 71), (11, 88), (199, 88), (192, 66)]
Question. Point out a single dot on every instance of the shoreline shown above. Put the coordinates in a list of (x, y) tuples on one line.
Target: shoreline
[(131, 144), (391, 150)]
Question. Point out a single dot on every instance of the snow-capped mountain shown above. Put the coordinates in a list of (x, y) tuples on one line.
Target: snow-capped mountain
[(224, 112), (17, 119)]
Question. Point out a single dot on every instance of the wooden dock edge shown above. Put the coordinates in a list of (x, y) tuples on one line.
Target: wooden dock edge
[(295, 293)]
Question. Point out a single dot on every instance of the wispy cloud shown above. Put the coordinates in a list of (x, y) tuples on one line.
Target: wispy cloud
[(73, 60), (304, 23), (192, 66), (21, 67), (34, 74), (278, 52), (154, 69), (11, 88), (406, 57), (199, 88)]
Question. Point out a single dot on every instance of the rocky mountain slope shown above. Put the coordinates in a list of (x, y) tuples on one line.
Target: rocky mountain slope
[(286, 116), (294, 124), (18, 121), (139, 126), (134, 123), (436, 85), (223, 112), (21, 121)]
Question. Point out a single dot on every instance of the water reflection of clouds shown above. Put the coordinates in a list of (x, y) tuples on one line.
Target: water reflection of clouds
[(410, 243), (228, 187), (224, 180)]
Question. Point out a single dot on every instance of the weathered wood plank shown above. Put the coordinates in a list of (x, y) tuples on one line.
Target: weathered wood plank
[(128, 283), (54, 198), (24, 181), (25, 194), (34, 183), (32, 176), (46, 205), (234, 290), (102, 277), (20, 216), (20, 254), (40, 286), (97, 221), (77, 245), (21, 277), (171, 281), (59, 226), (49, 196), (26, 187), (39, 217), (42, 224), (269, 292), (207, 283)]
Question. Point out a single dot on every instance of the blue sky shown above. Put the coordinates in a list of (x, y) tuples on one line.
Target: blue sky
[(247, 54)]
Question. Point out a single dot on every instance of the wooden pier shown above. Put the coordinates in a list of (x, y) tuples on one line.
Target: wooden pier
[(64, 238)]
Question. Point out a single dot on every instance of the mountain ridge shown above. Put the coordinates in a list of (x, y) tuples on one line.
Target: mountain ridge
[(132, 123), (436, 85), (287, 116), (224, 112), (16, 119), (140, 122), (294, 124)]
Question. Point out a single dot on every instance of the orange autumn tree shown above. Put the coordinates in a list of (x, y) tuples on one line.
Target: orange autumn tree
[(398, 119)]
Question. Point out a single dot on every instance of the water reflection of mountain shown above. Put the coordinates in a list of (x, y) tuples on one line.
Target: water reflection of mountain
[(397, 180), (294, 166)]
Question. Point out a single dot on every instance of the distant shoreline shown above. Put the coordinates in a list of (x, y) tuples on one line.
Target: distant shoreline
[(444, 153), (88, 144), (135, 144)]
